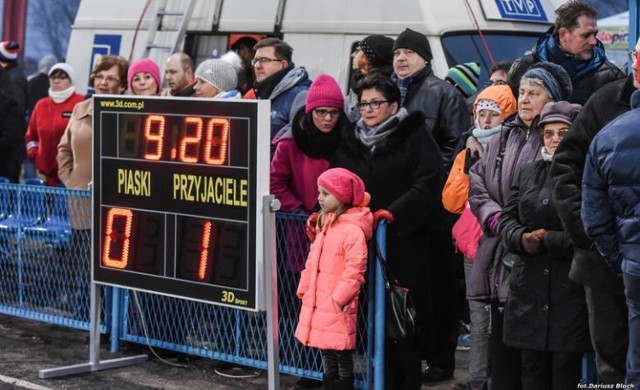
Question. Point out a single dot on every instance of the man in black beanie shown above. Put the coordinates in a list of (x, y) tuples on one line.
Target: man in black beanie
[(421, 90), (446, 118)]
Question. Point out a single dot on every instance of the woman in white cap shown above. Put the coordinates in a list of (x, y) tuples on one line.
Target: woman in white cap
[(49, 120), (216, 79)]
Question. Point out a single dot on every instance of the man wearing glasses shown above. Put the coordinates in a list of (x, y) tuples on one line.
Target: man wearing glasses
[(277, 79), (572, 44)]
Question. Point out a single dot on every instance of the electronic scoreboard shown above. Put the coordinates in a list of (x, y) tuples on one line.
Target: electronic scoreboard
[(177, 196)]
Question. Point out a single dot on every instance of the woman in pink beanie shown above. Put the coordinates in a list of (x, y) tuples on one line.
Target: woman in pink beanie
[(304, 146), (333, 274), (144, 78)]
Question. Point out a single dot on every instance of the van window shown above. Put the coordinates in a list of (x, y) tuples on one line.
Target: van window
[(468, 47)]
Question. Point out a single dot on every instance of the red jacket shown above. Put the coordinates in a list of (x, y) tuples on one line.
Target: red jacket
[(46, 127), (331, 281), (294, 177)]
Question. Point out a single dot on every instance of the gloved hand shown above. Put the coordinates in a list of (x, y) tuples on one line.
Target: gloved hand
[(492, 223), (475, 146), (532, 243), (32, 153), (381, 214), (310, 227)]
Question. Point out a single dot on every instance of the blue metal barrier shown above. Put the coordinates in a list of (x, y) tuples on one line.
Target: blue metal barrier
[(238, 336), (41, 277)]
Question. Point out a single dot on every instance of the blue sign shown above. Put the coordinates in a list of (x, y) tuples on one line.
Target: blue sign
[(527, 10), (104, 44)]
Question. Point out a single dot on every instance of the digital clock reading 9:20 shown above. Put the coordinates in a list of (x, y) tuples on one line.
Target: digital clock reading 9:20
[(177, 183), (187, 139)]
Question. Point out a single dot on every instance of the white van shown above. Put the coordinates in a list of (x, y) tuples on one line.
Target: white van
[(322, 33)]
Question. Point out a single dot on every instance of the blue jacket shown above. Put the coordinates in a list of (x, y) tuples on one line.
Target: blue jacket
[(611, 191), (282, 96)]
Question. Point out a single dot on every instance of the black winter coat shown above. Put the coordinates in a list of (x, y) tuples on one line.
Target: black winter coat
[(405, 176), (588, 268), (446, 114), (545, 310), (12, 131)]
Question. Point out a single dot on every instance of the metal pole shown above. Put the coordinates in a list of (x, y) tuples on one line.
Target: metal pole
[(269, 206), (381, 238)]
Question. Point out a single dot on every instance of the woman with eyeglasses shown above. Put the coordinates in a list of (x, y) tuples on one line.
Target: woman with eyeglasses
[(302, 151), (545, 315), (48, 120), (401, 166), (518, 143), (304, 146)]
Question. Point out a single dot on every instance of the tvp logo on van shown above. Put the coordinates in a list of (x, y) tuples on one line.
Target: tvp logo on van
[(528, 10)]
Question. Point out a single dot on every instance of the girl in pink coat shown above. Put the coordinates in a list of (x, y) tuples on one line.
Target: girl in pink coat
[(334, 271)]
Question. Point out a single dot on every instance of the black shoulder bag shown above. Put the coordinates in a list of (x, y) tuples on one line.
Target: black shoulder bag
[(400, 312)]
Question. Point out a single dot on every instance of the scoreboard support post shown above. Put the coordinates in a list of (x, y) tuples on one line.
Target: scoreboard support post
[(94, 363), (269, 206)]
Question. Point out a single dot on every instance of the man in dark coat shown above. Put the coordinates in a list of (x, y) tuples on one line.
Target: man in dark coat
[(12, 130), (610, 177), (572, 44), (603, 288), (446, 117), (39, 83)]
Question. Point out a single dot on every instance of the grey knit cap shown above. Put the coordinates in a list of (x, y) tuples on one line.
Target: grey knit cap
[(553, 77), (218, 73)]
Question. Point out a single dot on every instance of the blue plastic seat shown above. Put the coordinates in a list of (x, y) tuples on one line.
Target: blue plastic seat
[(56, 229), (30, 206)]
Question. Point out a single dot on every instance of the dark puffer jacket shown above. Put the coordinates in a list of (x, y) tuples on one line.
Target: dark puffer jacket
[(611, 192), (586, 76), (545, 310), (490, 181), (588, 267), (446, 114)]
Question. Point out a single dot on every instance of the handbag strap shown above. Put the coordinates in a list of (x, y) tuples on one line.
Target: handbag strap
[(386, 272)]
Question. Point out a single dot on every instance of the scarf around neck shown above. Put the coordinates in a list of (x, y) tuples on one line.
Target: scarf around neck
[(550, 50), (311, 141), (264, 88), (546, 156), (61, 96), (484, 135), (372, 137)]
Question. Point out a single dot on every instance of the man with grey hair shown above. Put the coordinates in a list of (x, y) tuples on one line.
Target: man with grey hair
[(604, 289)]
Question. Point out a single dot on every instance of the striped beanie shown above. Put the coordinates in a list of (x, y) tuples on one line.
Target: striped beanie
[(464, 77), (9, 51)]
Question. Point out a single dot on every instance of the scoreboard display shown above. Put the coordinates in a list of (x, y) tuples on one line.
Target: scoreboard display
[(177, 196)]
